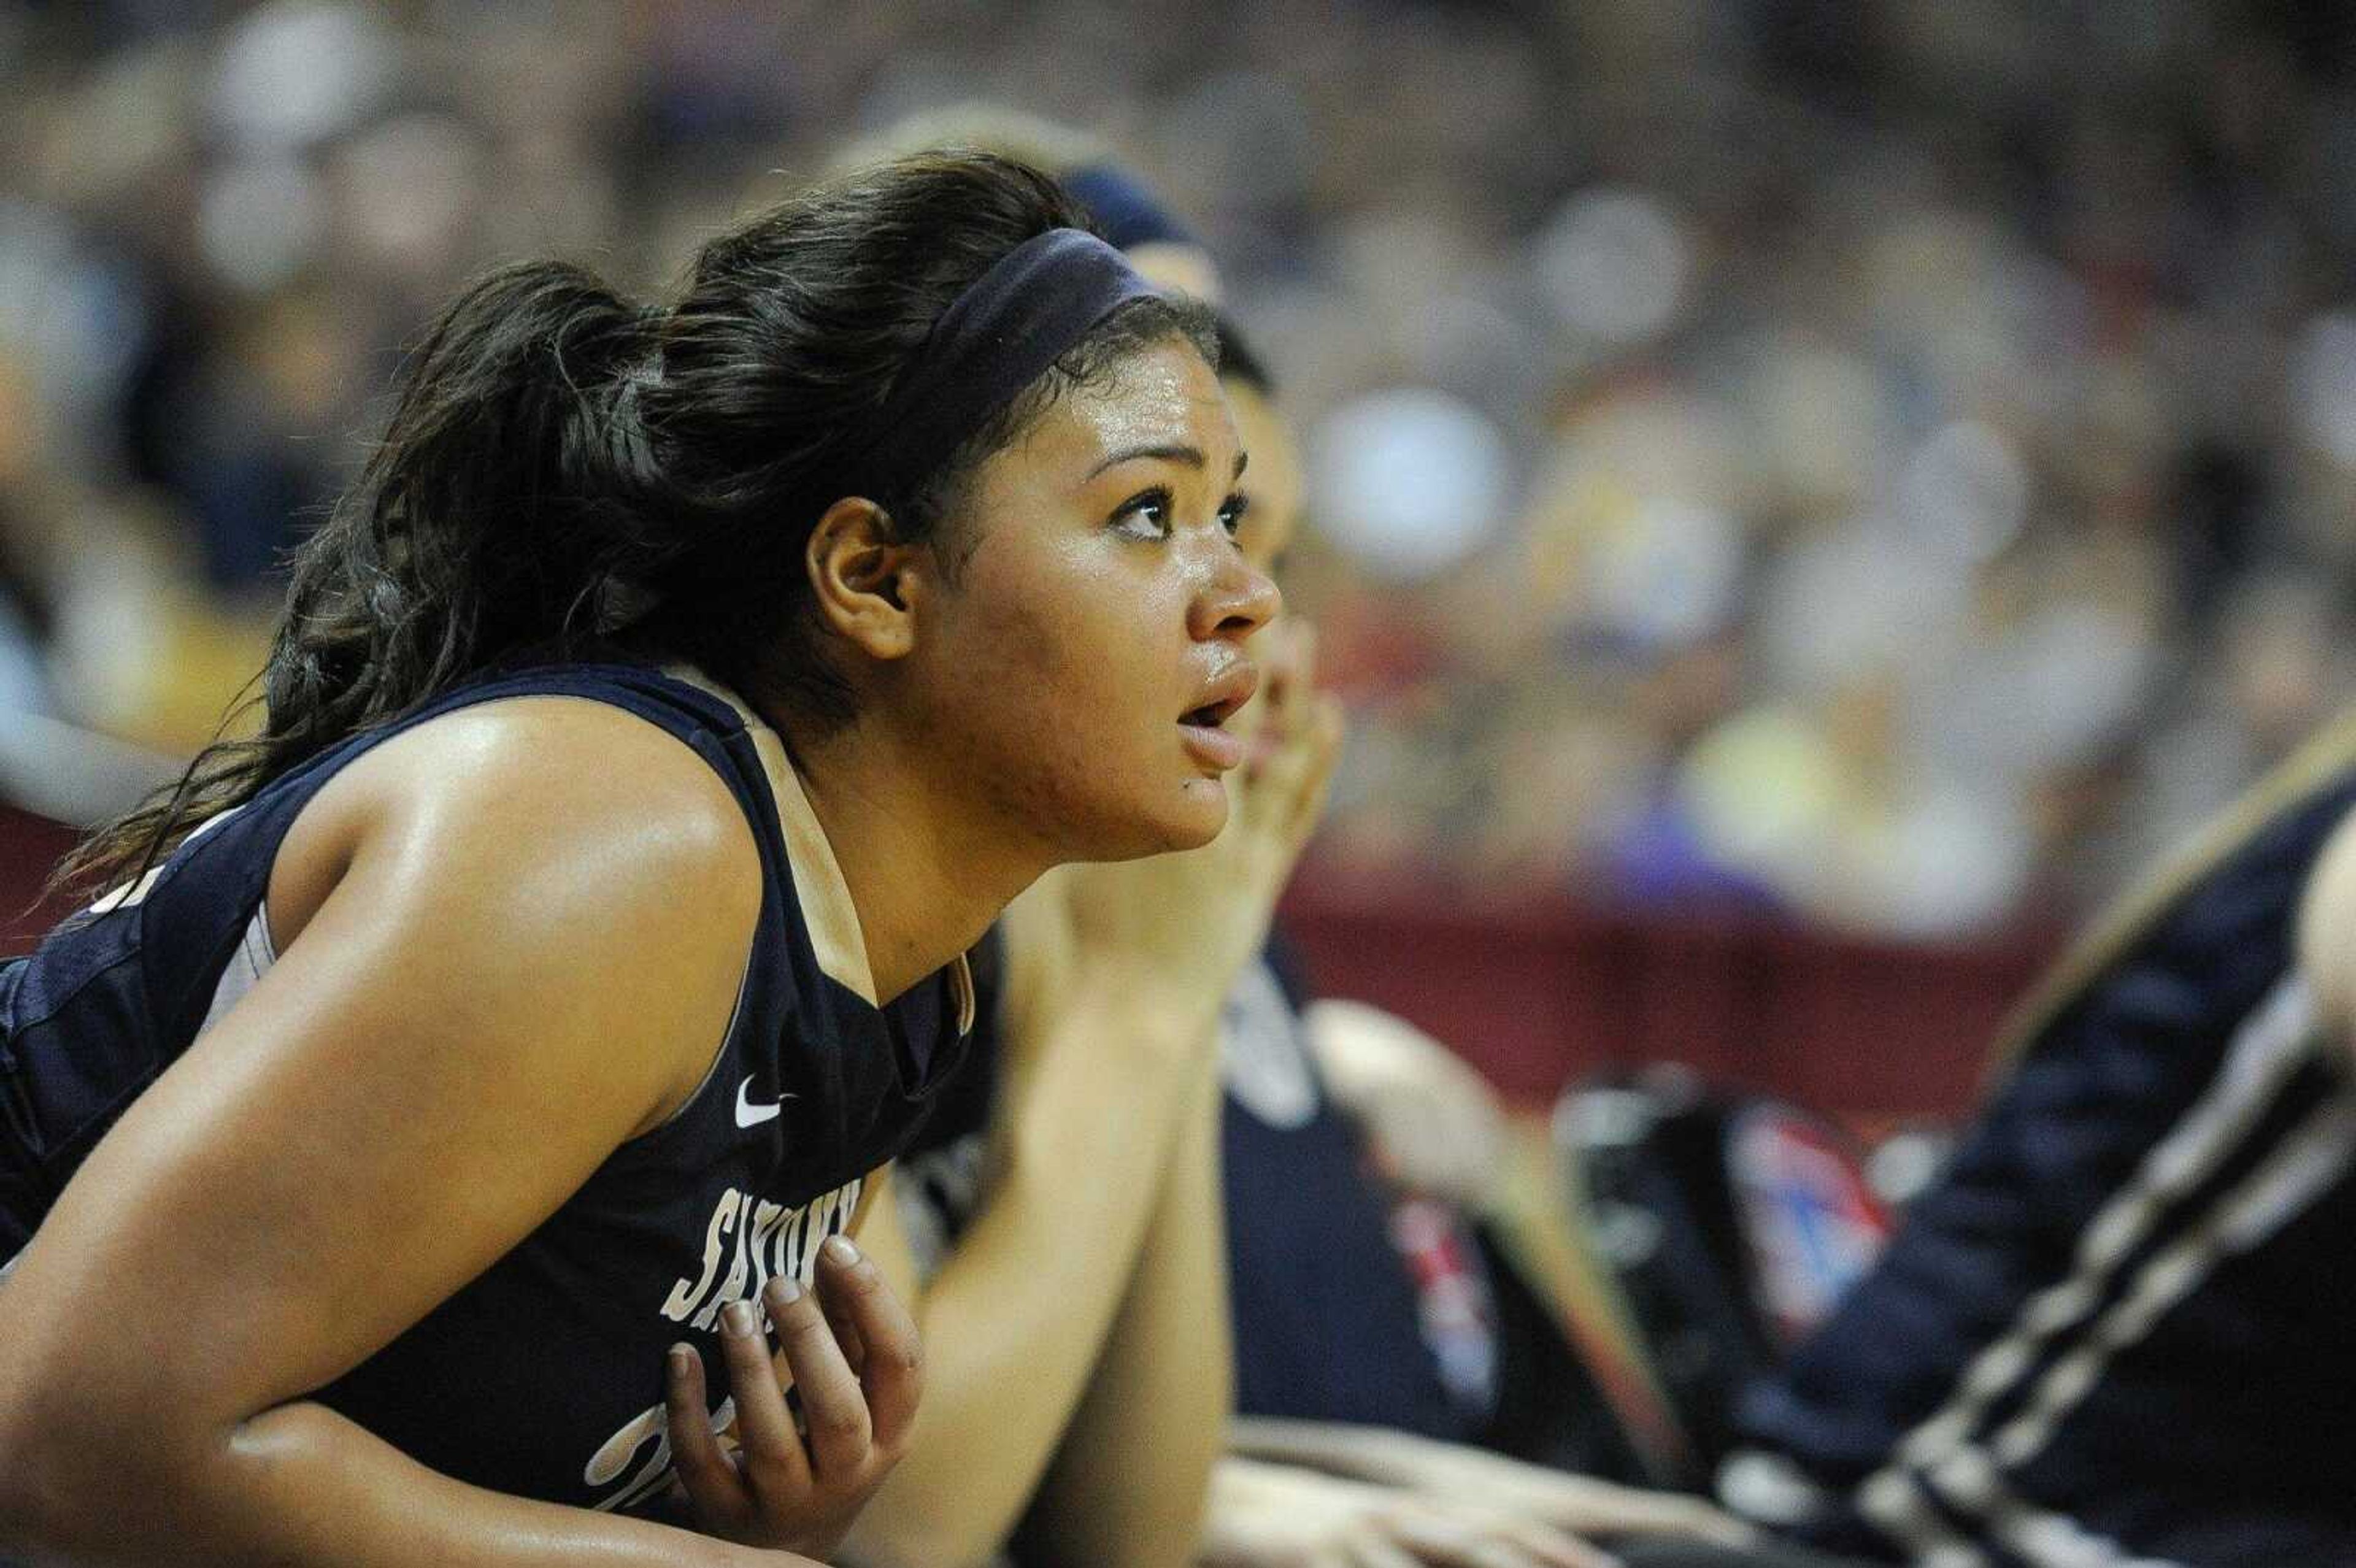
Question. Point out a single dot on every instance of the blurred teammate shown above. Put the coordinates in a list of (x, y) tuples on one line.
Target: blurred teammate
[(678, 695), (2113, 1331), (1366, 1371), (1099, 1381)]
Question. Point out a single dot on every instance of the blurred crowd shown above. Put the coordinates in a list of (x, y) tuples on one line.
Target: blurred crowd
[(1887, 463)]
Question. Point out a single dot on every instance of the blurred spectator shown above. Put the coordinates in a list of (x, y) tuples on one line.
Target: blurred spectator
[(1886, 465)]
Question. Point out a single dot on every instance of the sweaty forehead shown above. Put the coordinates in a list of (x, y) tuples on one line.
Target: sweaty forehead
[(1161, 396)]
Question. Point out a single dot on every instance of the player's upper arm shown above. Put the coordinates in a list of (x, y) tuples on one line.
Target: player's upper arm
[(535, 921), (2327, 931)]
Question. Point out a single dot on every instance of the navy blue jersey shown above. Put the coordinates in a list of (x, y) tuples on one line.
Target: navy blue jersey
[(1327, 1322), (542, 1377), (2116, 1330)]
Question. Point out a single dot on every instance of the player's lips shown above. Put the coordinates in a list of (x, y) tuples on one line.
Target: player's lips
[(1220, 696)]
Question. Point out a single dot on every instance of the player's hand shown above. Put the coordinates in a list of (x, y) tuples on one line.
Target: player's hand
[(1433, 1122), (1578, 1503), (1174, 931), (1280, 1516), (851, 1352)]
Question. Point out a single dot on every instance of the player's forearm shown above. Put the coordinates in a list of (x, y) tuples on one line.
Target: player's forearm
[(1130, 1481), (1340, 1447), (1015, 1318), (302, 1485)]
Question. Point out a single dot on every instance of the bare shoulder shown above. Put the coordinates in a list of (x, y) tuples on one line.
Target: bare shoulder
[(2327, 930), (559, 794), (558, 763), (560, 852), (524, 930)]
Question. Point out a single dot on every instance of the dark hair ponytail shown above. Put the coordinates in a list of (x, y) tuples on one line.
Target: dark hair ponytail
[(480, 522), (557, 455), (483, 522)]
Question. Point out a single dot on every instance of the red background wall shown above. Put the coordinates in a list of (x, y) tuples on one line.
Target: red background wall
[(29, 846), (1537, 993)]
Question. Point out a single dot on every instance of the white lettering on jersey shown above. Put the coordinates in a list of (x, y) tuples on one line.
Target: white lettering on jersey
[(683, 1295), (762, 1239), (739, 1267), (767, 1218), (131, 894)]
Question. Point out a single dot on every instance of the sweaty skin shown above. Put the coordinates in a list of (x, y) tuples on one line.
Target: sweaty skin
[(1107, 1407), (1053, 655), (472, 918), (1150, 598), (252, 1223), (1109, 1401)]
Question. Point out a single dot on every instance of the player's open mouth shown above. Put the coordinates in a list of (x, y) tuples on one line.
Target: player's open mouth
[(1205, 723)]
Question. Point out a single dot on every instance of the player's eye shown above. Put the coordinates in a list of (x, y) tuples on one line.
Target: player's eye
[(1231, 515), (1144, 516)]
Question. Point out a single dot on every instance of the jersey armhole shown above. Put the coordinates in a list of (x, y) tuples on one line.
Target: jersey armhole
[(266, 935)]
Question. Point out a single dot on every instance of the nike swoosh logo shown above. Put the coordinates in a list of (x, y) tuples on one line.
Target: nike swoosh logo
[(748, 1115)]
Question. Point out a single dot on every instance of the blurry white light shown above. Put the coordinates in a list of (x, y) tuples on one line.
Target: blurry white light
[(1856, 602), (2081, 670), (1964, 490), (2324, 382), (297, 71), (1954, 859), (1668, 578), (1614, 263), (1823, 417), (1251, 129), (2053, 692), (1409, 481), (259, 221), (411, 187)]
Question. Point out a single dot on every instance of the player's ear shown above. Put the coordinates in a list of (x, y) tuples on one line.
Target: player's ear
[(863, 575)]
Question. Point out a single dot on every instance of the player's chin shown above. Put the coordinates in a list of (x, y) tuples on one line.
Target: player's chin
[(1189, 819), (1168, 817), (1202, 814)]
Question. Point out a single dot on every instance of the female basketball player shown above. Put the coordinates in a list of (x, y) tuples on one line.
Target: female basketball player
[(1089, 1392), (680, 678), (1084, 1389)]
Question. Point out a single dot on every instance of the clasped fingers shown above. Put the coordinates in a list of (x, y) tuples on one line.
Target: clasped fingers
[(849, 1354)]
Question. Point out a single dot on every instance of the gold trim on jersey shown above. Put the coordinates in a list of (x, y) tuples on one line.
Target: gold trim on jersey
[(831, 917), (2143, 906)]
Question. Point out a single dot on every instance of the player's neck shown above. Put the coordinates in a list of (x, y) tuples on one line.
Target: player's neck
[(925, 879)]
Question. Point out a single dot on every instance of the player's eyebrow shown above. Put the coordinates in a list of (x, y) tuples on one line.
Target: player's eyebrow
[(1169, 452)]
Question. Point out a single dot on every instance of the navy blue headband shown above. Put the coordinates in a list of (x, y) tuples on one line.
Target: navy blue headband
[(996, 338), (1124, 211)]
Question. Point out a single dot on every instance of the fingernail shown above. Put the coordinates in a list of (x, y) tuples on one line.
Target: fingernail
[(787, 1289), (738, 1319), (681, 1359), (841, 1250)]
